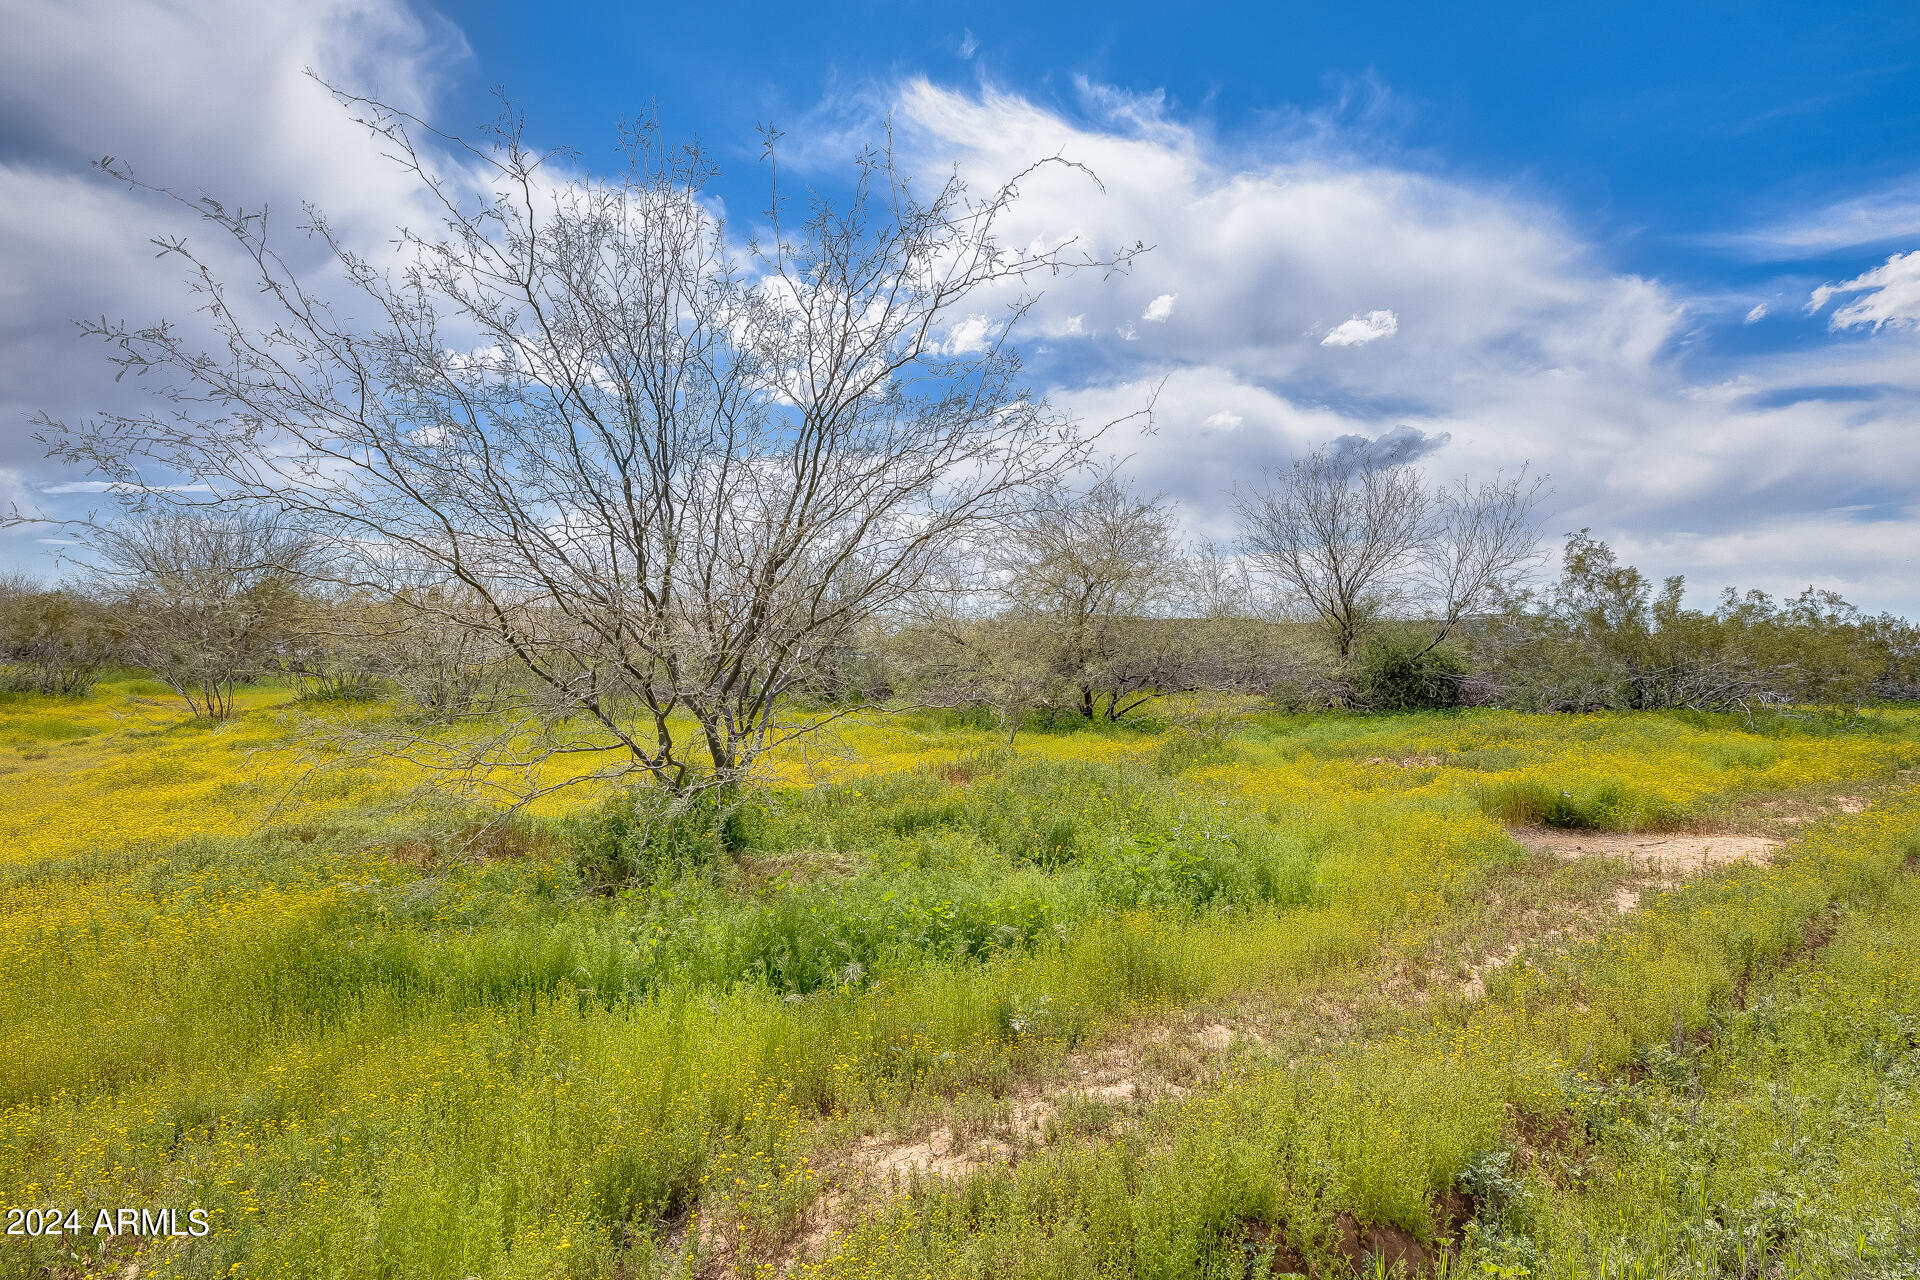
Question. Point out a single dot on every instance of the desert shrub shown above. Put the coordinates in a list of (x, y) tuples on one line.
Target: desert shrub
[(1593, 804), (1603, 638), (1183, 750), (644, 836), (1178, 872), (317, 686), (1407, 672), (444, 671), (51, 642)]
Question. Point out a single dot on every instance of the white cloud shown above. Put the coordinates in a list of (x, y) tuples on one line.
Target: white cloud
[(1888, 295), (1514, 342), (1865, 560), (970, 334), (104, 486), (78, 486), (1361, 330), (1756, 315), (968, 45), (1521, 341), (1853, 221), (209, 96)]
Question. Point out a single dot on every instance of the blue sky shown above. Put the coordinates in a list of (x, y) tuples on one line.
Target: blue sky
[(1657, 128), (1655, 251)]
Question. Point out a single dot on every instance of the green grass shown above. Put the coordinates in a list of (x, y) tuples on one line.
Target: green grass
[(27, 730), (380, 1042), (1786, 1145)]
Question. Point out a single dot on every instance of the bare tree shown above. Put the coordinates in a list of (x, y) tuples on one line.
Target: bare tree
[(444, 667), (662, 471), (959, 657), (1353, 542), (1337, 536), (1093, 564), (1483, 540), (203, 598), (1232, 647), (1215, 582)]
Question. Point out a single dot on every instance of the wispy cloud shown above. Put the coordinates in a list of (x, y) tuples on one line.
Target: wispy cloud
[(104, 486), (1874, 218), (1756, 315), (1887, 295)]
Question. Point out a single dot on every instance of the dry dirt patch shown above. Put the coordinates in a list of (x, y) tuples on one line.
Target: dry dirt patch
[(1169, 1061), (1793, 813), (941, 1155), (1164, 1062), (1665, 856)]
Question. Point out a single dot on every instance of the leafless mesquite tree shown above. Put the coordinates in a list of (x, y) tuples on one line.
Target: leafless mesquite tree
[(1095, 563), (1353, 542), (960, 656), (579, 421), (204, 598)]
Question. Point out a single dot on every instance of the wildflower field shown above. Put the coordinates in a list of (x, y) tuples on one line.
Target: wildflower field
[(1314, 994)]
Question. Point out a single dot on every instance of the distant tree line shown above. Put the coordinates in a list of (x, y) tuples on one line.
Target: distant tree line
[(1352, 587)]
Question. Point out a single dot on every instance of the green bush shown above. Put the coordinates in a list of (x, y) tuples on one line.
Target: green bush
[(645, 835), (1183, 750), (1405, 672)]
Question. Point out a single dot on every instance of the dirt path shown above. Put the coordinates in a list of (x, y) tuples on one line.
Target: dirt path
[(1098, 1090)]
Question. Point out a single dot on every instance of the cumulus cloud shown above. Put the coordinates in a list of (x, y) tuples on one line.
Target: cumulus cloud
[(1521, 344), (1286, 243), (970, 334), (212, 97), (1888, 295), (1361, 330)]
